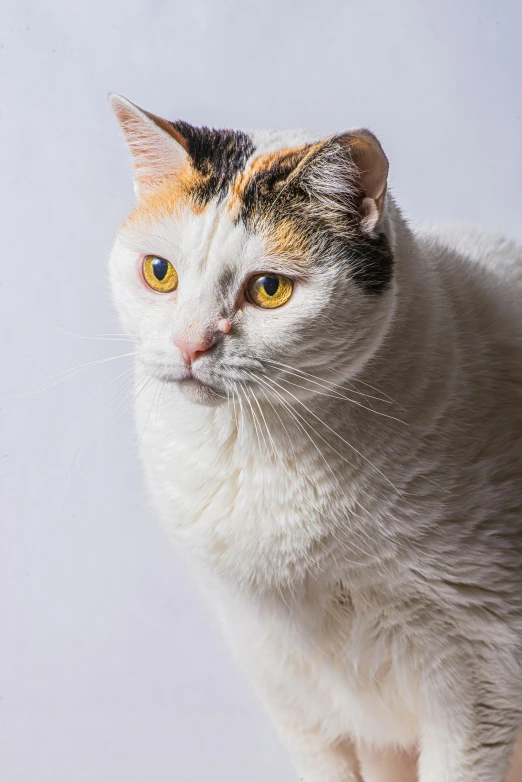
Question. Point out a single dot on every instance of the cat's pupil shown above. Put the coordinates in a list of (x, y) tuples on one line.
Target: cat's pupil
[(160, 268), (271, 284)]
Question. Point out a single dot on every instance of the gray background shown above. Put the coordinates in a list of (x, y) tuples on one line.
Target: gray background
[(110, 668)]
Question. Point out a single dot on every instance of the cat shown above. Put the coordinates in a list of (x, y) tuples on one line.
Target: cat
[(329, 407)]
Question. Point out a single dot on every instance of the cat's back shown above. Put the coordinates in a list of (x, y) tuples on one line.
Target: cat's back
[(480, 276), (479, 286), (466, 251)]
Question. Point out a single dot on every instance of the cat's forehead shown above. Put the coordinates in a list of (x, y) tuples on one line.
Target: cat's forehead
[(233, 181), (229, 164), (225, 164)]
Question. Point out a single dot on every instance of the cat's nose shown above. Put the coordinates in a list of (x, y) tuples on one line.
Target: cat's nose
[(191, 349)]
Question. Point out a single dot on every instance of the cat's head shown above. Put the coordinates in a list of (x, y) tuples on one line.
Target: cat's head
[(250, 255)]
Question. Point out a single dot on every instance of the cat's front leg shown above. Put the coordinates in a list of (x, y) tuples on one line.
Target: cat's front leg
[(388, 764), (316, 759), (472, 746)]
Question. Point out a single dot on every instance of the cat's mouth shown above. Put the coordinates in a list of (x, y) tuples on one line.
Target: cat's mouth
[(200, 391)]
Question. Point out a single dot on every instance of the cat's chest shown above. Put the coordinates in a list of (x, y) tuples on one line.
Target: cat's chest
[(349, 667), (239, 499)]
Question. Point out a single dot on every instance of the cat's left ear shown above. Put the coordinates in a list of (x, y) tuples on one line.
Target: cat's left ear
[(370, 174), (158, 150)]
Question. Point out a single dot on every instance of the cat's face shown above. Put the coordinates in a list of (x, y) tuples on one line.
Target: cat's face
[(249, 256)]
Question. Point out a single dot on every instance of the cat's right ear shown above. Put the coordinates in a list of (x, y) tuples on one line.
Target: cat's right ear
[(157, 149)]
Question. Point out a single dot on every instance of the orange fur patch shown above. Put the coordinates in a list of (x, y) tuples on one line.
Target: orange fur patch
[(260, 164), (169, 196), (286, 242), (283, 238)]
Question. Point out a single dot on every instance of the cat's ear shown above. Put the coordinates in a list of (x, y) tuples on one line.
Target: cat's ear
[(370, 174), (158, 150)]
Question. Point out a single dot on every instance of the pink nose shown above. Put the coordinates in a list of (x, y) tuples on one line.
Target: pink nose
[(192, 349)]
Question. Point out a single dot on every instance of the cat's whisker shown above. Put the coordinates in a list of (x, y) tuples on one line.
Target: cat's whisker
[(104, 337), (292, 480), (242, 412), (251, 416), (274, 447), (330, 392), (125, 385), (233, 397), (347, 399), (258, 424), (386, 398), (114, 379), (296, 416), (68, 373), (274, 408), (326, 383), (346, 442), (307, 499)]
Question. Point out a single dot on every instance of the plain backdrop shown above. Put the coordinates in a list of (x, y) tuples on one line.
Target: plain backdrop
[(111, 669)]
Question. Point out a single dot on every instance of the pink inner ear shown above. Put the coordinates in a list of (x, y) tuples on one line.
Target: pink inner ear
[(370, 213), (372, 163), (156, 151)]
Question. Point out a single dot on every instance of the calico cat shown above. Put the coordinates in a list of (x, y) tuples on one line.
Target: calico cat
[(336, 441)]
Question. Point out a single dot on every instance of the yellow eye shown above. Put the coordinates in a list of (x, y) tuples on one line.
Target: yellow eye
[(160, 274), (269, 290)]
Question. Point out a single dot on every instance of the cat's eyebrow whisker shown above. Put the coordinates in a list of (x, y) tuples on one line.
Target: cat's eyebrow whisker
[(326, 383), (353, 448)]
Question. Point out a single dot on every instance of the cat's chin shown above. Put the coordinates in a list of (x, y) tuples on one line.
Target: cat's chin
[(200, 393)]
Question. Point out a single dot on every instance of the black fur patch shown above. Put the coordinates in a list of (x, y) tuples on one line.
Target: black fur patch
[(266, 185), (218, 155), (270, 192), (371, 262)]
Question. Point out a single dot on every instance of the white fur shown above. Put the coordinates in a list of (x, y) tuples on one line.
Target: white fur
[(394, 660)]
